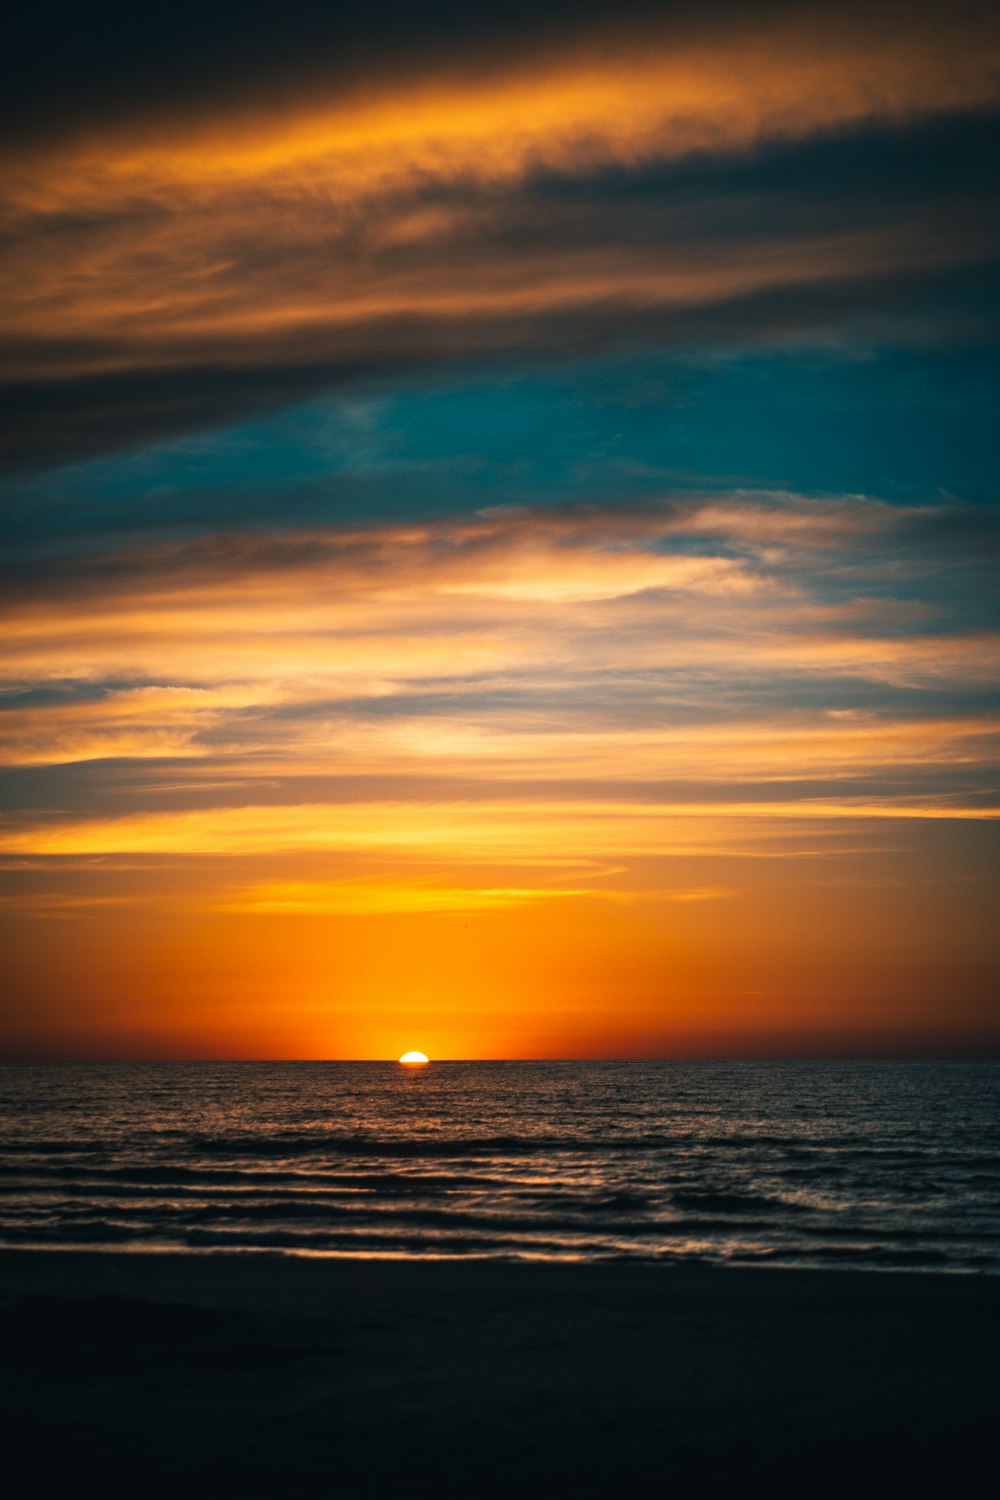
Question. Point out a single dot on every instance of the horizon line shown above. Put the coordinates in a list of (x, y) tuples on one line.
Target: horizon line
[(990, 1056)]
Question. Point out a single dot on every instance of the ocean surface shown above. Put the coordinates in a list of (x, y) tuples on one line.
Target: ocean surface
[(843, 1164)]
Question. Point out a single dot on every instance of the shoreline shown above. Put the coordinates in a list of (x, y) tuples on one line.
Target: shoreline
[(274, 1254), (27, 1262), (266, 1373)]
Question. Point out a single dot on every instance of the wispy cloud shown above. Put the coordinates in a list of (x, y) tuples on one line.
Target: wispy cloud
[(515, 647), (440, 218)]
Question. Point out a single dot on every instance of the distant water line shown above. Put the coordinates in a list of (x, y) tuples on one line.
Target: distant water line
[(836, 1164)]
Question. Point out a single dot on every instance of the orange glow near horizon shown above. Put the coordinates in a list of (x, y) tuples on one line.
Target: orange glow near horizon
[(519, 881)]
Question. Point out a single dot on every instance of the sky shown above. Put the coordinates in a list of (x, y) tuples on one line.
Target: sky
[(499, 530)]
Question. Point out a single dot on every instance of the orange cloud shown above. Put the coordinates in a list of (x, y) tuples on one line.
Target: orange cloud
[(567, 645), (592, 104), (510, 830), (242, 233)]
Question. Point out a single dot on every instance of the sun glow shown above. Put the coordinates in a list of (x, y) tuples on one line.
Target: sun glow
[(414, 1059)]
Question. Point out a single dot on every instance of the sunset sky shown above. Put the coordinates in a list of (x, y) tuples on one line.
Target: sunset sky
[(500, 528)]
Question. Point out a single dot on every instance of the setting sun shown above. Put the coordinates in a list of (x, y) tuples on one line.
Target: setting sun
[(414, 1059)]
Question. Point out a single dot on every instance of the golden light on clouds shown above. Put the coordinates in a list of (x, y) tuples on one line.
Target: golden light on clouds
[(586, 105), (242, 232)]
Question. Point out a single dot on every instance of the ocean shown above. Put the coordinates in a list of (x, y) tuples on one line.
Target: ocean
[(837, 1164)]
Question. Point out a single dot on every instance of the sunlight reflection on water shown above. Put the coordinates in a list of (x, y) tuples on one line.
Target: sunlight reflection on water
[(893, 1165)]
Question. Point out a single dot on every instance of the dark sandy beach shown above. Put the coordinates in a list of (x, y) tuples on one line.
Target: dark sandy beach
[(228, 1374)]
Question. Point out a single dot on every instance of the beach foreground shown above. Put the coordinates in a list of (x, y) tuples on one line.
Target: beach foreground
[(258, 1374)]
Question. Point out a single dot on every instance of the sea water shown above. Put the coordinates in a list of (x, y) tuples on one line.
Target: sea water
[(843, 1164)]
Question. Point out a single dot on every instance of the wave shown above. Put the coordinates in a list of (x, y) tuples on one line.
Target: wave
[(732, 1203), (840, 1166)]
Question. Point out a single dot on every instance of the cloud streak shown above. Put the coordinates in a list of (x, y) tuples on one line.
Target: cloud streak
[(584, 645), (421, 222)]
